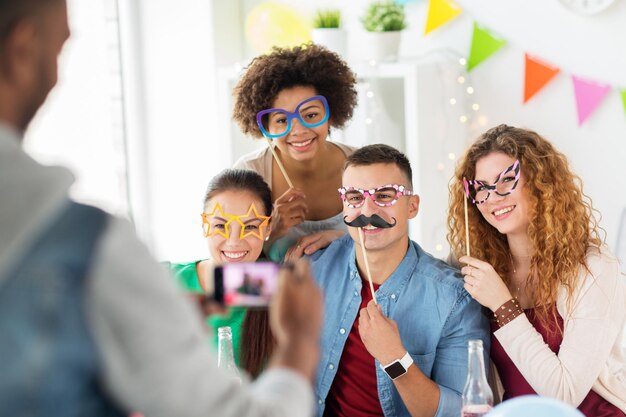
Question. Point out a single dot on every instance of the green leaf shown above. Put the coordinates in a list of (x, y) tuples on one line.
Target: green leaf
[(327, 19), (384, 16)]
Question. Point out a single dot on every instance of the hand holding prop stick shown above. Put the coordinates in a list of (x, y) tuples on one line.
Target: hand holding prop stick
[(280, 164)]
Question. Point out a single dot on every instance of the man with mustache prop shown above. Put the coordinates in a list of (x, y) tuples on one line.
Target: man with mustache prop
[(397, 320)]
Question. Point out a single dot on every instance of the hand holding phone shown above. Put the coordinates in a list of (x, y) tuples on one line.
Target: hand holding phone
[(296, 319)]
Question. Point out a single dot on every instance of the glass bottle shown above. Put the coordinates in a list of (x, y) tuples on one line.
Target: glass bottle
[(225, 357), (477, 395)]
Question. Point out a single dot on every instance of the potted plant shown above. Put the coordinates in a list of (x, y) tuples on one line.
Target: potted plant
[(384, 22), (327, 30)]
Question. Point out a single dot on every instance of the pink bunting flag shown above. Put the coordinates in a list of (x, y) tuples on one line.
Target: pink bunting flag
[(589, 95)]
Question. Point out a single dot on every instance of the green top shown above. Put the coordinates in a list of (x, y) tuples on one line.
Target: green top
[(188, 277)]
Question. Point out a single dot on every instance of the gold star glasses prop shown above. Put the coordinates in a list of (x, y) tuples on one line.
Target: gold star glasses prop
[(250, 224)]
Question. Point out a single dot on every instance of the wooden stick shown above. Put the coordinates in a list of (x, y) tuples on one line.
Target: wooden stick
[(467, 244), (280, 164), (367, 265)]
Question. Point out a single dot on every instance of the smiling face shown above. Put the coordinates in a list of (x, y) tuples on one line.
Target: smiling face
[(509, 213), (370, 177), (301, 143), (234, 249)]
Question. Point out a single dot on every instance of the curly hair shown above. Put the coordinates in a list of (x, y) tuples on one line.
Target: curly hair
[(306, 65), (562, 222)]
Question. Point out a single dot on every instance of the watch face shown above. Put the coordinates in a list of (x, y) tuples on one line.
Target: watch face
[(395, 370), (587, 7)]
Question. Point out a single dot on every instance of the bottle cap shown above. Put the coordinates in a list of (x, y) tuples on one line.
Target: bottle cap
[(226, 330), (475, 344)]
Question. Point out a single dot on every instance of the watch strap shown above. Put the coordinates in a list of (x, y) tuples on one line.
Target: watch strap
[(406, 361)]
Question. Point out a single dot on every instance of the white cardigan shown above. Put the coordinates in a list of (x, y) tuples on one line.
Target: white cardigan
[(591, 355)]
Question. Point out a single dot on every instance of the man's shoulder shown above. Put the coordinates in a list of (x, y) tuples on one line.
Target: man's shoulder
[(333, 260), (444, 283), (338, 248), (438, 271)]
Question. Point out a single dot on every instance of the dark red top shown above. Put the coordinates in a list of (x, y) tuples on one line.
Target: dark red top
[(515, 384), (354, 392)]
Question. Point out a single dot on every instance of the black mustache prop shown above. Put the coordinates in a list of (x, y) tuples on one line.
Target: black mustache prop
[(375, 220)]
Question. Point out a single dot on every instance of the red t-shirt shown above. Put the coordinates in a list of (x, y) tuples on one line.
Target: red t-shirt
[(354, 392)]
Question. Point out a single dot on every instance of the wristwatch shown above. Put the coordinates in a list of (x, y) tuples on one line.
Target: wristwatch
[(398, 367)]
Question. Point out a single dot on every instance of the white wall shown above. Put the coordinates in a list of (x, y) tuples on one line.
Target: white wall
[(170, 69)]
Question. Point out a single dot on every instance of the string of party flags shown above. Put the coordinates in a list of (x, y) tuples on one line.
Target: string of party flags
[(538, 72)]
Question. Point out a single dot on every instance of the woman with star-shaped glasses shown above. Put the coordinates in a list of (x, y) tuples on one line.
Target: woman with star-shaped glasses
[(236, 221), (539, 263), (292, 97)]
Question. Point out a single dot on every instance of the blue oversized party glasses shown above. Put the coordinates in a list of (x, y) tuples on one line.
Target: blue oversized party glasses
[(275, 123)]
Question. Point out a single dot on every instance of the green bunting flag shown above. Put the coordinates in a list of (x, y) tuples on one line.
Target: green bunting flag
[(484, 44), (623, 93)]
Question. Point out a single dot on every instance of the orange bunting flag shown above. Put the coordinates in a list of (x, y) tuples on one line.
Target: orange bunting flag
[(484, 44), (538, 74), (440, 12)]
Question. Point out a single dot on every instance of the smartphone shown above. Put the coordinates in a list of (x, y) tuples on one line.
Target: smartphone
[(245, 284)]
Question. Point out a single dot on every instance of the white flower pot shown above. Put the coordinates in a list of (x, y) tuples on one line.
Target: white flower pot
[(382, 46), (334, 39)]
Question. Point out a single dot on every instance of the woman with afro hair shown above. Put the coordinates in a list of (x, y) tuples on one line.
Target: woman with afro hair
[(294, 96), (539, 264)]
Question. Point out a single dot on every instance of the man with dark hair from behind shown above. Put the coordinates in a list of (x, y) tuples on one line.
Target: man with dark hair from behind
[(89, 323)]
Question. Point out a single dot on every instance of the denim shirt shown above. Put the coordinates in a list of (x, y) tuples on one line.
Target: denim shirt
[(436, 318)]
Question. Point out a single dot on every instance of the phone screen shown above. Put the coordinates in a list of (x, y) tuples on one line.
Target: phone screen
[(249, 284)]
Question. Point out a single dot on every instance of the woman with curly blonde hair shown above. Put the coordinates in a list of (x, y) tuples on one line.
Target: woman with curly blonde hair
[(539, 264)]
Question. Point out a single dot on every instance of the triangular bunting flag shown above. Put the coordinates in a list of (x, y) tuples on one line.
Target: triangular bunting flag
[(484, 44), (440, 12), (538, 74), (589, 94), (623, 93)]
